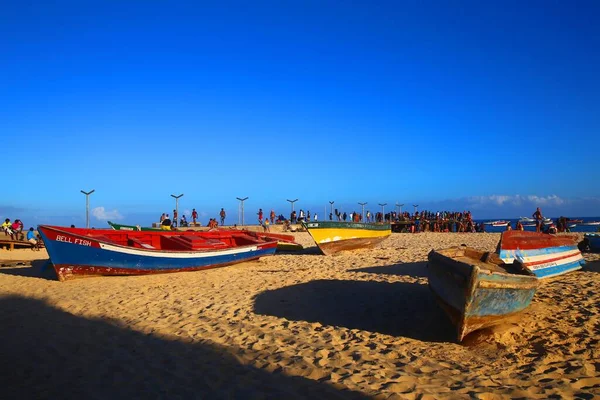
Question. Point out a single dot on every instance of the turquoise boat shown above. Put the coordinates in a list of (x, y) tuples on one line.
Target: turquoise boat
[(477, 289)]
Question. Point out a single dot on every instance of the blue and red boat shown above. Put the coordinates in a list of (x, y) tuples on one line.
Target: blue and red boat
[(79, 252), (542, 254)]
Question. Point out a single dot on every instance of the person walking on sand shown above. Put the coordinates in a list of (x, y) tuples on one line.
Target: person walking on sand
[(194, 216), (537, 215), (222, 214), (272, 215), (174, 217)]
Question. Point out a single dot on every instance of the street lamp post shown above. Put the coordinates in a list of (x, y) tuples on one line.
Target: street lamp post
[(400, 205), (415, 206), (87, 207), (242, 207), (331, 209), (382, 211), (176, 208), (292, 202), (363, 210)]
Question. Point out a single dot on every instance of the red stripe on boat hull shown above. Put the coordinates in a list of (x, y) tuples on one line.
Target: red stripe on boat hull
[(549, 260), (70, 272)]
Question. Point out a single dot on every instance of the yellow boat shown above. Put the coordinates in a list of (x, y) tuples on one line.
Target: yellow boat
[(334, 236)]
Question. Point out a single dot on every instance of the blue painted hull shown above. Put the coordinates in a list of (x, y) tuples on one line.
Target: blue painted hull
[(477, 294), (546, 262), (71, 259), (593, 241)]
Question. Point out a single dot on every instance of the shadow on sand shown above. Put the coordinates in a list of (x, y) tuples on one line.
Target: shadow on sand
[(397, 309), (48, 353), (414, 269), (37, 269), (593, 266)]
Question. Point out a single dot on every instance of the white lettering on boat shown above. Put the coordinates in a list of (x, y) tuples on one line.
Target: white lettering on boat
[(81, 242), (60, 238)]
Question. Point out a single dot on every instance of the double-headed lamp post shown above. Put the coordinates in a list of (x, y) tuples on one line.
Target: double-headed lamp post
[(331, 211), (292, 202), (400, 205), (382, 211), (415, 206), (87, 207), (242, 207), (363, 211), (176, 208)]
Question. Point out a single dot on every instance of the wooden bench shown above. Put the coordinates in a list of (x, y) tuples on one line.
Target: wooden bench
[(135, 241), (187, 242), (11, 244)]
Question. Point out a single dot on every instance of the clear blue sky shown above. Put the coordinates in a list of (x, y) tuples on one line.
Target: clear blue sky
[(492, 106)]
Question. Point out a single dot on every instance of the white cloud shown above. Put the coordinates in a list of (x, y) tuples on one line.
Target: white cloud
[(103, 215), (516, 200), (548, 200)]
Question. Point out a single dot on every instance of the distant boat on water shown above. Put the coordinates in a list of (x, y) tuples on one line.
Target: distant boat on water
[(526, 220), (590, 223), (497, 223), (334, 236), (477, 289), (542, 254)]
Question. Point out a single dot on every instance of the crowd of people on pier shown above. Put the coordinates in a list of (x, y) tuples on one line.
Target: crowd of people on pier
[(419, 221)]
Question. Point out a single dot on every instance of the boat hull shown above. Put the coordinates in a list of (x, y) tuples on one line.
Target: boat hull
[(593, 240), (75, 255), (475, 294), (544, 255), (332, 237)]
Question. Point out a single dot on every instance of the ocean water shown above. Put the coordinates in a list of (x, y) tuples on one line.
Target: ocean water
[(513, 222)]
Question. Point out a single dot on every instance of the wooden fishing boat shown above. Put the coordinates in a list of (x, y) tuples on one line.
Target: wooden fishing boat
[(593, 241), (477, 289), (122, 227), (284, 242), (334, 236), (79, 252), (590, 223), (542, 254), (496, 223)]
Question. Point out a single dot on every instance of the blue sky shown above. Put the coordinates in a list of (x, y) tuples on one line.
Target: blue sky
[(489, 106)]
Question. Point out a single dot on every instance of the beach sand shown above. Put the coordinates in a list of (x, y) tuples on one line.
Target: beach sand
[(355, 325)]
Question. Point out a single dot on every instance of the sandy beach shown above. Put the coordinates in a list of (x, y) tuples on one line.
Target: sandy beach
[(358, 324)]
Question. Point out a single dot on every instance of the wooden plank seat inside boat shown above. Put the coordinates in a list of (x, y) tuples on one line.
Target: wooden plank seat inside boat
[(102, 238), (135, 242), (186, 242)]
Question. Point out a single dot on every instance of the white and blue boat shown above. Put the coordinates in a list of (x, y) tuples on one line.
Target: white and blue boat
[(79, 252), (542, 254)]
